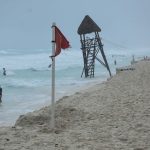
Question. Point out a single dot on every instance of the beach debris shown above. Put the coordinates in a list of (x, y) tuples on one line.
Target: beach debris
[(91, 46), (7, 139), (126, 68)]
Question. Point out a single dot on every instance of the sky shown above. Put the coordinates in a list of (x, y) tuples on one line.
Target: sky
[(26, 24)]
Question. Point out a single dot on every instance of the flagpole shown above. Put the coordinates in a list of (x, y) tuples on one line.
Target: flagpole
[(53, 78)]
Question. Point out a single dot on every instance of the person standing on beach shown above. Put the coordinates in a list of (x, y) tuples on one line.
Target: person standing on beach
[(1, 94), (50, 66), (4, 71), (115, 62)]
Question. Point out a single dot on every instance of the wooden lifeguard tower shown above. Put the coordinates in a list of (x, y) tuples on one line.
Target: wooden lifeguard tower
[(91, 45)]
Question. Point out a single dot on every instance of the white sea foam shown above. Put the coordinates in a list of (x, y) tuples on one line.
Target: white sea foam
[(27, 85)]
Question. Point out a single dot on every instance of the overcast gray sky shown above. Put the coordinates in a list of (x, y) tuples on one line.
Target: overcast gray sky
[(27, 23)]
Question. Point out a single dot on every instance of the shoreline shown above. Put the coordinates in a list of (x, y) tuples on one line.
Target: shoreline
[(110, 115), (47, 101)]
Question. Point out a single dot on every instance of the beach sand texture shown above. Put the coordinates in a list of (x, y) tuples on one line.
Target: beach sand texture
[(113, 115)]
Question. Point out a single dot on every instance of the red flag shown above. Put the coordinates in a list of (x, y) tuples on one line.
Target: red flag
[(61, 41)]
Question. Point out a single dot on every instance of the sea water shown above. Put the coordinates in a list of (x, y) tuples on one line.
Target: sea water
[(27, 84)]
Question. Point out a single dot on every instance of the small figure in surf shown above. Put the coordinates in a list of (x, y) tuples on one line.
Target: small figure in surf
[(49, 66), (115, 62), (1, 94), (4, 71)]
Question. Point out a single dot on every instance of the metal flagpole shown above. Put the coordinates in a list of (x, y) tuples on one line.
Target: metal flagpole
[(53, 78)]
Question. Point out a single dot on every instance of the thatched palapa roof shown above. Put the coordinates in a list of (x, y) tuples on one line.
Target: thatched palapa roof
[(88, 26)]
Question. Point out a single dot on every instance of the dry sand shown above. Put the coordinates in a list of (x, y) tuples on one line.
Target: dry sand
[(114, 115)]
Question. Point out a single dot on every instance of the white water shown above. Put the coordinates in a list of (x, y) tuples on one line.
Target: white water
[(27, 85)]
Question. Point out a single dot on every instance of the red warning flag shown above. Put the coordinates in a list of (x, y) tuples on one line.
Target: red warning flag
[(61, 41)]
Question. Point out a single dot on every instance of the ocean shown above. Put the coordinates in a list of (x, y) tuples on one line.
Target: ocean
[(27, 85)]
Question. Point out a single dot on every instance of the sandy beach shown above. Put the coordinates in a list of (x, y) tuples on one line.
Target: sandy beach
[(113, 115)]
